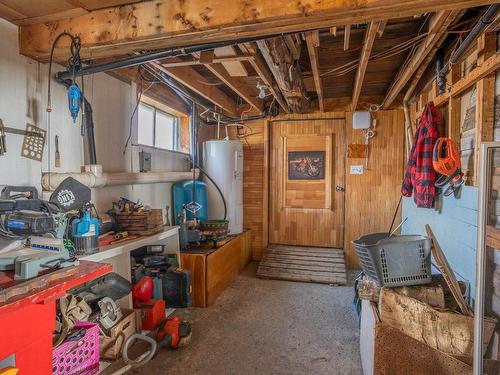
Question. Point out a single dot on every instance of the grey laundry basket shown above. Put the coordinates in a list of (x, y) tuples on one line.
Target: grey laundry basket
[(395, 261)]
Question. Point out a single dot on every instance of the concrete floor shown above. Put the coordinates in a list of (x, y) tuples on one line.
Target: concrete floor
[(268, 327)]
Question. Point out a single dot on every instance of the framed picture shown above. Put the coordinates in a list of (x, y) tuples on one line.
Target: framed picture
[(306, 165)]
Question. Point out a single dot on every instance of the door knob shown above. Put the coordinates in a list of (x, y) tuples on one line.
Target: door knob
[(339, 188)]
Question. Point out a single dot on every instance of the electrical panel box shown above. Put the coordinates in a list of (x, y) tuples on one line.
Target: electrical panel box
[(361, 120), (144, 161)]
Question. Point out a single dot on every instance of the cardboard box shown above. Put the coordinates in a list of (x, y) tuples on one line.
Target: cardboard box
[(111, 346)]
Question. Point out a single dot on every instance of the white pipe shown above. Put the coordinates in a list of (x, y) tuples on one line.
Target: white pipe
[(93, 178)]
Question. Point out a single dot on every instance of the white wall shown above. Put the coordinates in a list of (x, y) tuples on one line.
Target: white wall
[(23, 98)]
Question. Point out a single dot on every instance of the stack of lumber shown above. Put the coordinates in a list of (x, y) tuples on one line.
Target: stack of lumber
[(142, 223)]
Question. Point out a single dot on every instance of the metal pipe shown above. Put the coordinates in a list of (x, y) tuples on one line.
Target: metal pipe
[(480, 26), (152, 56), (92, 178)]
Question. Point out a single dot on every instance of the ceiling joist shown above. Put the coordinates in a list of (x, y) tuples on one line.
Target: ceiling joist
[(129, 28), (312, 41), (199, 84), (370, 34), (238, 85)]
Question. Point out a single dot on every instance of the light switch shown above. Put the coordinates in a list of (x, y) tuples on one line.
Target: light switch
[(357, 169)]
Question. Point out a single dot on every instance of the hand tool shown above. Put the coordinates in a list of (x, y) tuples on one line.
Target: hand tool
[(58, 156), (446, 161)]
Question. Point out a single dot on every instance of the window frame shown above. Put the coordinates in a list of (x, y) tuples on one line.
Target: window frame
[(176, 128)]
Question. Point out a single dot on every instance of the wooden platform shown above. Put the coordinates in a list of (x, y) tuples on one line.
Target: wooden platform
[(308, 264)]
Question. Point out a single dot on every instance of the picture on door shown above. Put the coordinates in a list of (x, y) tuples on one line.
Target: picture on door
[(306, 165)]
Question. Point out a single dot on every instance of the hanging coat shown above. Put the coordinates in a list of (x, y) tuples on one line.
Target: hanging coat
[(420, 175)]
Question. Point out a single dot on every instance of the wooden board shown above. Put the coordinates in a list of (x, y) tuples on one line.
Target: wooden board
[(446, 331), (307, 212), (448, 273), (319, 265)]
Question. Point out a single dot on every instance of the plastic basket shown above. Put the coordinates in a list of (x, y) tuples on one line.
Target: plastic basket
[(395, 261), (78, 357)]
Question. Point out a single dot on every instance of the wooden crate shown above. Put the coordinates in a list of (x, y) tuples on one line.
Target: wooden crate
[(213, 270), (449, 332), (111, 346), (142, 223)]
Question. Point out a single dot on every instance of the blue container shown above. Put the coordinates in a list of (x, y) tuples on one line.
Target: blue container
[(182, 194)]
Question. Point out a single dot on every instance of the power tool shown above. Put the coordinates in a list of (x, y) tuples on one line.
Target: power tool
[(173, 333), (74, 98), (86, 232), (446, 161)]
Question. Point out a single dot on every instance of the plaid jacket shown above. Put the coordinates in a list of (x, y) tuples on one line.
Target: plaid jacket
[(420, 175)]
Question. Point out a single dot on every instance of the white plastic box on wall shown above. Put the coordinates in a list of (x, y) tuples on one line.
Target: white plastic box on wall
[(361, 120)]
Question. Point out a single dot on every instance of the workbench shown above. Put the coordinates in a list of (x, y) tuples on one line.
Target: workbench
[(213, 270), (28, 320), (118, 255)]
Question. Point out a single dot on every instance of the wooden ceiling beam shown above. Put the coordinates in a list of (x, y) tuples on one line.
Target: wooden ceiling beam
[(370, 34), (238, 85), (312, 41), (286, 72), (152, 25), (438, 25), (199, 84), (265, 74)]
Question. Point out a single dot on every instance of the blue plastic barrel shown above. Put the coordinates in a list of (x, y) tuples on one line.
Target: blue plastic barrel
[(182, 195)]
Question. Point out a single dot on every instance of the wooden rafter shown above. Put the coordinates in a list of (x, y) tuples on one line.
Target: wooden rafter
[(370, 34), (381, 27), (438, 25), (286, 72), (417, 76), (199, 84), (157, 25), (264, 74), (312, 41), (238, 85), (170, 63), (347, 37)]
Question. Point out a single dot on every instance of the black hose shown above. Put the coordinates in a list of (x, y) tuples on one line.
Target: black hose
[(218, 189)]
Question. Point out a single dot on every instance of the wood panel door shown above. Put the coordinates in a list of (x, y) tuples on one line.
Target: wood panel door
[(306, 198)]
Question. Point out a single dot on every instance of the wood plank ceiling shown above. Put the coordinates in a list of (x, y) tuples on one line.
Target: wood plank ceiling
[(337, 67)]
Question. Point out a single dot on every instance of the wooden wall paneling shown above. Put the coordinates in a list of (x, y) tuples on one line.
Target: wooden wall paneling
[(254, 185), (371, 198)]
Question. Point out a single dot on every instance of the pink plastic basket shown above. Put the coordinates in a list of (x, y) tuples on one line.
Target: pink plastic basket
[(78, 357)]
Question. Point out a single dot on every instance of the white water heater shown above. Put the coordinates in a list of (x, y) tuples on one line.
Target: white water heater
[(223, 162)]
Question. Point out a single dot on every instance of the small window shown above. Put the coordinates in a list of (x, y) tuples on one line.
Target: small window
[(157, 128)]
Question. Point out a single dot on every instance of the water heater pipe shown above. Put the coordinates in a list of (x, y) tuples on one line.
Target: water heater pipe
[(93, 177)]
